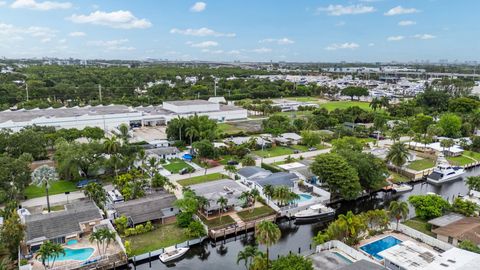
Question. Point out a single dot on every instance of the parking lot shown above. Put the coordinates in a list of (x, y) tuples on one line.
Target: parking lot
[(149, 133)]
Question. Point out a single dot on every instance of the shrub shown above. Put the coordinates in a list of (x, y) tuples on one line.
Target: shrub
[(195, 229), (128, 248), (184, 219)]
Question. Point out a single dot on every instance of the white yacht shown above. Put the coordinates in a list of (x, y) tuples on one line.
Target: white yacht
[(172, 253), (444, 172), (315, 212)]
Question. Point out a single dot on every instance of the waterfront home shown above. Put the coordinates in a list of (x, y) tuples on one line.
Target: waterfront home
[(214, 190), (466, 228), (73, 223), (250, 172), (259, 141), (157, 206), (411, 256), (276, 179), (445, 220)]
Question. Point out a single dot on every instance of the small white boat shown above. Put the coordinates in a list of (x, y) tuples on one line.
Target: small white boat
[(315, 212), (172, 253), (444, 172), (401, 188)]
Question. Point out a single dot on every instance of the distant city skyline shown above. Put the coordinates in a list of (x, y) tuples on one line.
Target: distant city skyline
[(243, 30)]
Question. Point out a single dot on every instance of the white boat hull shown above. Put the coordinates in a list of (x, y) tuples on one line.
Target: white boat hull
[(173, 255), (446, 179)]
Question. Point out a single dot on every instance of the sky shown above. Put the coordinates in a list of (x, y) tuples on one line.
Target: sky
[(243, 30)]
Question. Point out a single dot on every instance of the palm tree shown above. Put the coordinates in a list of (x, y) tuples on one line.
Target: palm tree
[(97, 236), (231, 169), (269, 191), (96, 193), (267, 233), (43, 176), (351, 225), (192, 132), (49, 252), (248, 161), (398, 210), (112, 147), (107, 236), (203, 203), (245, 196), (254, 195), (282, 194), (123, 128), (223, 202), (397, 155), (247, 255), (375, 104)]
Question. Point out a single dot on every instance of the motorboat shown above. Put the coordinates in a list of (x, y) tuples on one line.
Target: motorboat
[(444, 172), (315, 212), (172, 253), (401, 188)]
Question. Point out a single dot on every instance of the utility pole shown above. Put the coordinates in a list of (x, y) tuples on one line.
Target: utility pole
[(100, 92), (26, 89), (215, 88)]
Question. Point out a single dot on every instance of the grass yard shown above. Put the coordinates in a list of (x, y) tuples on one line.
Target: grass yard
[(274, 152), (398, 178), (202, 179), (304, 148), (332, 105), (57, 187), (304, 99), (419, 225), (227, 158), (217, 222), (175, 165), (162, 236), (258, 212), (421, 164), (472, 154), (295, 114), (460, 160), (226, 128)]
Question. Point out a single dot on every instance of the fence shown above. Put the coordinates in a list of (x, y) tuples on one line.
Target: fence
[(357, 255), (421, 237)]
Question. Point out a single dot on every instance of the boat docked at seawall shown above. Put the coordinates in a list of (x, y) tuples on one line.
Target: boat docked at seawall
[(172, 253), (315, 212), (444, 172), (402, 188)]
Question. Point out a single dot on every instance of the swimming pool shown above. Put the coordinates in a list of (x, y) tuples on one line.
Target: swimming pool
[(380, 245), (72, 242), (80, 254), (303, 198)]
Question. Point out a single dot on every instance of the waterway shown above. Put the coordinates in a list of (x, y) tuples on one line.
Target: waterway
[(223, 256)]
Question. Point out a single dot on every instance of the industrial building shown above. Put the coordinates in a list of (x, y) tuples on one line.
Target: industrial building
[(112, 116)]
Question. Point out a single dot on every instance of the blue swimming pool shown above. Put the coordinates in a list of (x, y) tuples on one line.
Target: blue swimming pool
[(303, 198), (380, 245), (80, 254)]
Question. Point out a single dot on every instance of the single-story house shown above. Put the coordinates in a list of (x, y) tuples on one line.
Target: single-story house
[(159, 143), (277, 179), (454, 151), (445, 220), (250, 172), (363, 265), (288, 138), (164, 152), (74, 222), (467, 228), (153, 207), (241, 140), (217, 100), (226, 188)]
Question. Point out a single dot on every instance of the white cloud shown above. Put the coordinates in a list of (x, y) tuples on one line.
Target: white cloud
[(204, 44), (198, 7), (406, 23), (338, 10), (10, 32), (395, 38), (77, 34), (424, 36), (200, 32), (262, 50), (346, 45), (112, 45), (123, 19), (399, 10), (280, 41), (46, 5)]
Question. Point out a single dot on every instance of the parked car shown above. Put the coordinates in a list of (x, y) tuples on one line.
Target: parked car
[(186, 170), (376, 135), (312, 149), (83, 183), (232, 162), (296, 151)]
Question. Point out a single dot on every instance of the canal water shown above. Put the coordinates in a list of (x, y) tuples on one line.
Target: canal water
[(223, 255)]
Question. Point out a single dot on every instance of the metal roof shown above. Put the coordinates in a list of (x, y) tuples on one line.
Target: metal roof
[(446, 219)]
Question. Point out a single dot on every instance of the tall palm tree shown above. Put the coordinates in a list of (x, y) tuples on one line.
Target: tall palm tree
[(43, 176), (223, 202), (269, 191), (203, 203), (398, 210), (397, 155), (96, 193), (97, 236), (267, 233), (123, 128), (247, 255), (191, 132), (49, 252), (351, 225), (282, 194), (245, 196), (108, 236), (254, 195), (112, 148), (231, 169)]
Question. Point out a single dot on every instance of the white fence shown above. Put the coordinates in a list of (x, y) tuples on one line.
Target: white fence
[(357, 255), (421, 237)]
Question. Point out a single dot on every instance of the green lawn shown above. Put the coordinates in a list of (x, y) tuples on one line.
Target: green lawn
[(228, 128), (295, 114), (304, 99), (460, 160), (258, 212), (421, 164), (274, 152), (163, 236), (472, 154), (176, 165), (304, 148), (57, 187), (226, 158), (217, 222), (398, 178), (419, 225), (332, 105), (202, 179)]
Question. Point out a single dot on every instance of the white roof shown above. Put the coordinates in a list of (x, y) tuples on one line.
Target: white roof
[(291, 166), (291, 135), (217, 99), (409, 255), (456, 259)]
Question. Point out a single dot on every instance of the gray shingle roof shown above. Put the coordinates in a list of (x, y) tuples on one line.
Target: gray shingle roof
[(62, 223), (164, 151), (362, 265), (277, 179), (147, 208), (251, 170)]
